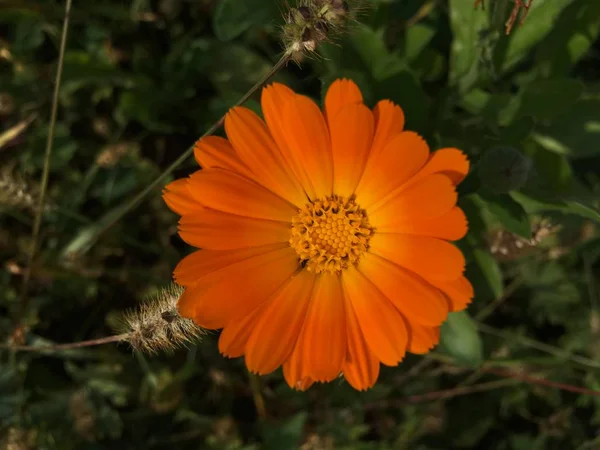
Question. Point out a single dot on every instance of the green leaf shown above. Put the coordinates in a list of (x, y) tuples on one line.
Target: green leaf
[(286, 436), (509, 212), (233, 17), (570, 39), (371, 47), (485, 275), (546, 99), (536, 26), (460, 339), (467, 25), (575, 132), (417, 38), (536, 205)]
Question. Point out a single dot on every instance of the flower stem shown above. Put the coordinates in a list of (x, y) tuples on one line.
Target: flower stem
[(46, 169), (115, 215), (69, 346)]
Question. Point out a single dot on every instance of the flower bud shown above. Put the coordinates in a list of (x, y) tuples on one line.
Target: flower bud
[(503, 169)]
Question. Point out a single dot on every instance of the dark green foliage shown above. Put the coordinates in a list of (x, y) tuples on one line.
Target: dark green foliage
[(144, 79)]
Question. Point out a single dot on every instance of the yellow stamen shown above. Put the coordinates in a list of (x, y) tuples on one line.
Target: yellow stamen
[(330, 234)]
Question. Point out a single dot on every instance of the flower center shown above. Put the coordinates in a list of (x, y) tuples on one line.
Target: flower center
[(330, 234)]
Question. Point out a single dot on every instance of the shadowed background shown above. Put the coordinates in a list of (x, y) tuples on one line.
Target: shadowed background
[(142, 80)]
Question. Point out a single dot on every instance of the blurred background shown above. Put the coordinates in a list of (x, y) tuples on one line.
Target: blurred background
[(143, 79)]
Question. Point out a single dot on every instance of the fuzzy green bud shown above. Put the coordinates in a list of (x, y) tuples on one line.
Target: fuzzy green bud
[(503, 169)]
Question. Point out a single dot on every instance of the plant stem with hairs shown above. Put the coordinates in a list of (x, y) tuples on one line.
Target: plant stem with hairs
[(46, 169), (96, 230)]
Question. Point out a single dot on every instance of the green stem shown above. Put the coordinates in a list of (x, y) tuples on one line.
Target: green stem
[(115, 215), (46, 170)]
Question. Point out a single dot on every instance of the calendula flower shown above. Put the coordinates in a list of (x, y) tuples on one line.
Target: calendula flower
[(324, 237)]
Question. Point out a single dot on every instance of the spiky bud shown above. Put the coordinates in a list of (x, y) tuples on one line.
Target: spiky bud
[(15, 192), (503, 169), (157, 326), (506, 246), (313, 22)]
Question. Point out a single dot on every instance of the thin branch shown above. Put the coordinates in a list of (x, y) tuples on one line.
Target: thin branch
[(555, 351), (46, 170), (259, 401), (508, 292), (443, 394), (540, 381), (127, 207), (69, 346)]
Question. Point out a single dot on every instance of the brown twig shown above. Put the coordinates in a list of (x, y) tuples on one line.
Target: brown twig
[(259, 401), (69, 346), (540, 381), (46, 170)]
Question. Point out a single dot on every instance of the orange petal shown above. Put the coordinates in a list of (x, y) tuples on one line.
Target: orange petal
[(253, 143), (389, 122), (450, 161), (277, 330), (459, 291), (381, 324), (293, 376), (202, 262), (399, 160), (179, 199), (236, 290), (361, 367), (235, 334), (422, 339), (451, 226), (232, 193), (428, 198), (215, 230), (351, 138), (274, 99), (431, 258), (341, 93), (309, 144), (416, 299), (322, 341), (216, 152)]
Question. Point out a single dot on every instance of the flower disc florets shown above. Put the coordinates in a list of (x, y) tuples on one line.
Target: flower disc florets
[(330, 234)]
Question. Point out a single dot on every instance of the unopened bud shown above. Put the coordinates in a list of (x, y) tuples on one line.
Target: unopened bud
[(503, 169)]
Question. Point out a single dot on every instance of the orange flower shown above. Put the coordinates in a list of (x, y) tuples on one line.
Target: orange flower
[(324, 236)]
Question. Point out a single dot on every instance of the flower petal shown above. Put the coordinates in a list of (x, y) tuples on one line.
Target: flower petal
[(452, 162), (431, 258), (399, 160), (179, 199), (215, 230), (459, 292), (253, 143), (322, 342), (428, 198), (389, 122), (277, 330), (274, 100), (451, 226), (381, 324), (237, 289), (231, 193), (293, 375), (341, 93), (216, 152), (421, 338), (309, 144), (416, 299), (351, 139), (361, 367), (235, 334), (203, 262)]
